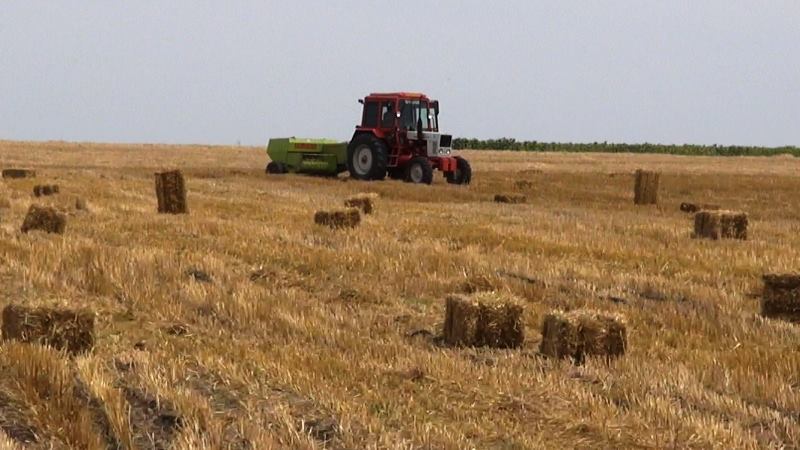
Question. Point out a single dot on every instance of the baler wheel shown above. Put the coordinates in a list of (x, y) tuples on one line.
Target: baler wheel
[(275, 167), (462, 174), (419, 170)]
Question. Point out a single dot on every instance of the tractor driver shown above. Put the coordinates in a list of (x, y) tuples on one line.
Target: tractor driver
[(388, 115)]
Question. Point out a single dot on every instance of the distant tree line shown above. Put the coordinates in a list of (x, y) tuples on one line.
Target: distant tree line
[(606, 147)]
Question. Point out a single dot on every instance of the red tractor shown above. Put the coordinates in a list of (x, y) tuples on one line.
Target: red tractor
[(399, 136)]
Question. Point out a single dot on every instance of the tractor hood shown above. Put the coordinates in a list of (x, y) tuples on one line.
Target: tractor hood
[(437, 144)]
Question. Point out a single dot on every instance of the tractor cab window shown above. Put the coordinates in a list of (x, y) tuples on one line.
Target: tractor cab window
[(414, 113), (370, 119)]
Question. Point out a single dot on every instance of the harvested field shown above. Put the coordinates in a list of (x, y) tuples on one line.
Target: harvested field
[(309, 338)]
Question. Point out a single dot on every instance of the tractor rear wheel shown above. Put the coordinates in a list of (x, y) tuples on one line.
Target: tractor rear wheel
[(276, 167), (419, 170), (462, 174), (367, 157)]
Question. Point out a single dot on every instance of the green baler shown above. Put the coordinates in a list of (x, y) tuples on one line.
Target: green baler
[(318, 156)]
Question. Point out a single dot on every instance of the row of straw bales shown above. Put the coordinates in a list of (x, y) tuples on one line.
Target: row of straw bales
[(490, 320)]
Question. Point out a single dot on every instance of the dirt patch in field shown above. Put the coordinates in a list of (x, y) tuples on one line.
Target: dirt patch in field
[(153, 421), (14, 422)]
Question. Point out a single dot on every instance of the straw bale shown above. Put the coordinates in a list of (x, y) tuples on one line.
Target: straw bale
[(348, 218), (483, 320), (510, 198), (44, 219), (646, 187), (171, 192), (362, 202), (18, 173), (781, 297), (720, 224), (62, 329), (583, 333)]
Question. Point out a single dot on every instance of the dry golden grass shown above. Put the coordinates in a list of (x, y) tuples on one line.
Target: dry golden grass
[(306, 337)]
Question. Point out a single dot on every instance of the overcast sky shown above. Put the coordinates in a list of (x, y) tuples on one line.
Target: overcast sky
[(181, 71)]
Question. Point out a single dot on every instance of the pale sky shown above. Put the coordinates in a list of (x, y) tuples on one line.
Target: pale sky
[(181, 71)]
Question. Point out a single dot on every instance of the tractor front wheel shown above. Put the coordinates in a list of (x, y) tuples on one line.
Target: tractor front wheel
[(419, 170), (462, 174), (367, 157)]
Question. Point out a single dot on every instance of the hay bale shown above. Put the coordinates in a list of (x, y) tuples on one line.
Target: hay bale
[(483, 321), (523, 184), (781, 297), (510, 198), (348, 218), (62, 329), (583, 333), (18, 173), (171, 192), (81, 204), (44, 219), (45, 189), (362, 202), (645, 189), (720, 224)]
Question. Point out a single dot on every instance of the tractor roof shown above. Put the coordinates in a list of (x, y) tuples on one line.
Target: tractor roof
[(414, 95)]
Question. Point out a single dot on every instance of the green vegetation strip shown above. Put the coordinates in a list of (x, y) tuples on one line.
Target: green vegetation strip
[(605, 147)]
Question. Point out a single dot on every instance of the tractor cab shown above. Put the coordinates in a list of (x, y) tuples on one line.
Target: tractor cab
[(399, 136)]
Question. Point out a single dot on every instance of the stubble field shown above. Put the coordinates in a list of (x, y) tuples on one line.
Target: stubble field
[(245, 325)]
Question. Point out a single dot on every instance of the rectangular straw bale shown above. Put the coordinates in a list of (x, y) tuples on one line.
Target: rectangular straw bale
[(62, 329), (781, 297), (560, 337), (171, 192), (348, 218), (602, 335), (645, 188), (583, 333), (45, 189), (45, 219), (18, 173), (484, 320), (460, 320), (510, 198), (720, 224), (362, 202)]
